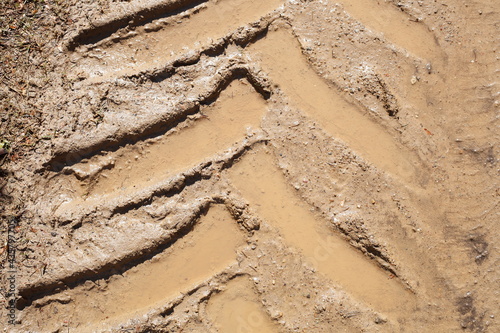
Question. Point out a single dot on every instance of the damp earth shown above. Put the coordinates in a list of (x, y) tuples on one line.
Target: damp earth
[(258, 166)]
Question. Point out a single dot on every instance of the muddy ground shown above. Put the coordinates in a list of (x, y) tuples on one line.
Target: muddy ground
[(249, 166)]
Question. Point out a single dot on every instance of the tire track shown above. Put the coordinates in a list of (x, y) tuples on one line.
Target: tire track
[(204, 252), (404, 31), (129, 170), (262, 184), (104, 28), (160, 43), (197, 142), (281, 57)]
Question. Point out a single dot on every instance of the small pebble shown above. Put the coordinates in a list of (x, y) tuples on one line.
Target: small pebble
[(380, 320)]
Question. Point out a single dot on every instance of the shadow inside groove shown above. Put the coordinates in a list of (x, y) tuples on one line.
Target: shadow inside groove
[(100, 31)]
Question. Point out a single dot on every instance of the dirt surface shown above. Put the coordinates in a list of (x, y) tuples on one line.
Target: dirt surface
[(250, 166)]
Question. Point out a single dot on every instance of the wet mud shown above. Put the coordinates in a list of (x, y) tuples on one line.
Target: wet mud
[(267, 166)]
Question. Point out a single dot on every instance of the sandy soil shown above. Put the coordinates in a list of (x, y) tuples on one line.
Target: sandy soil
[(254, 166)]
